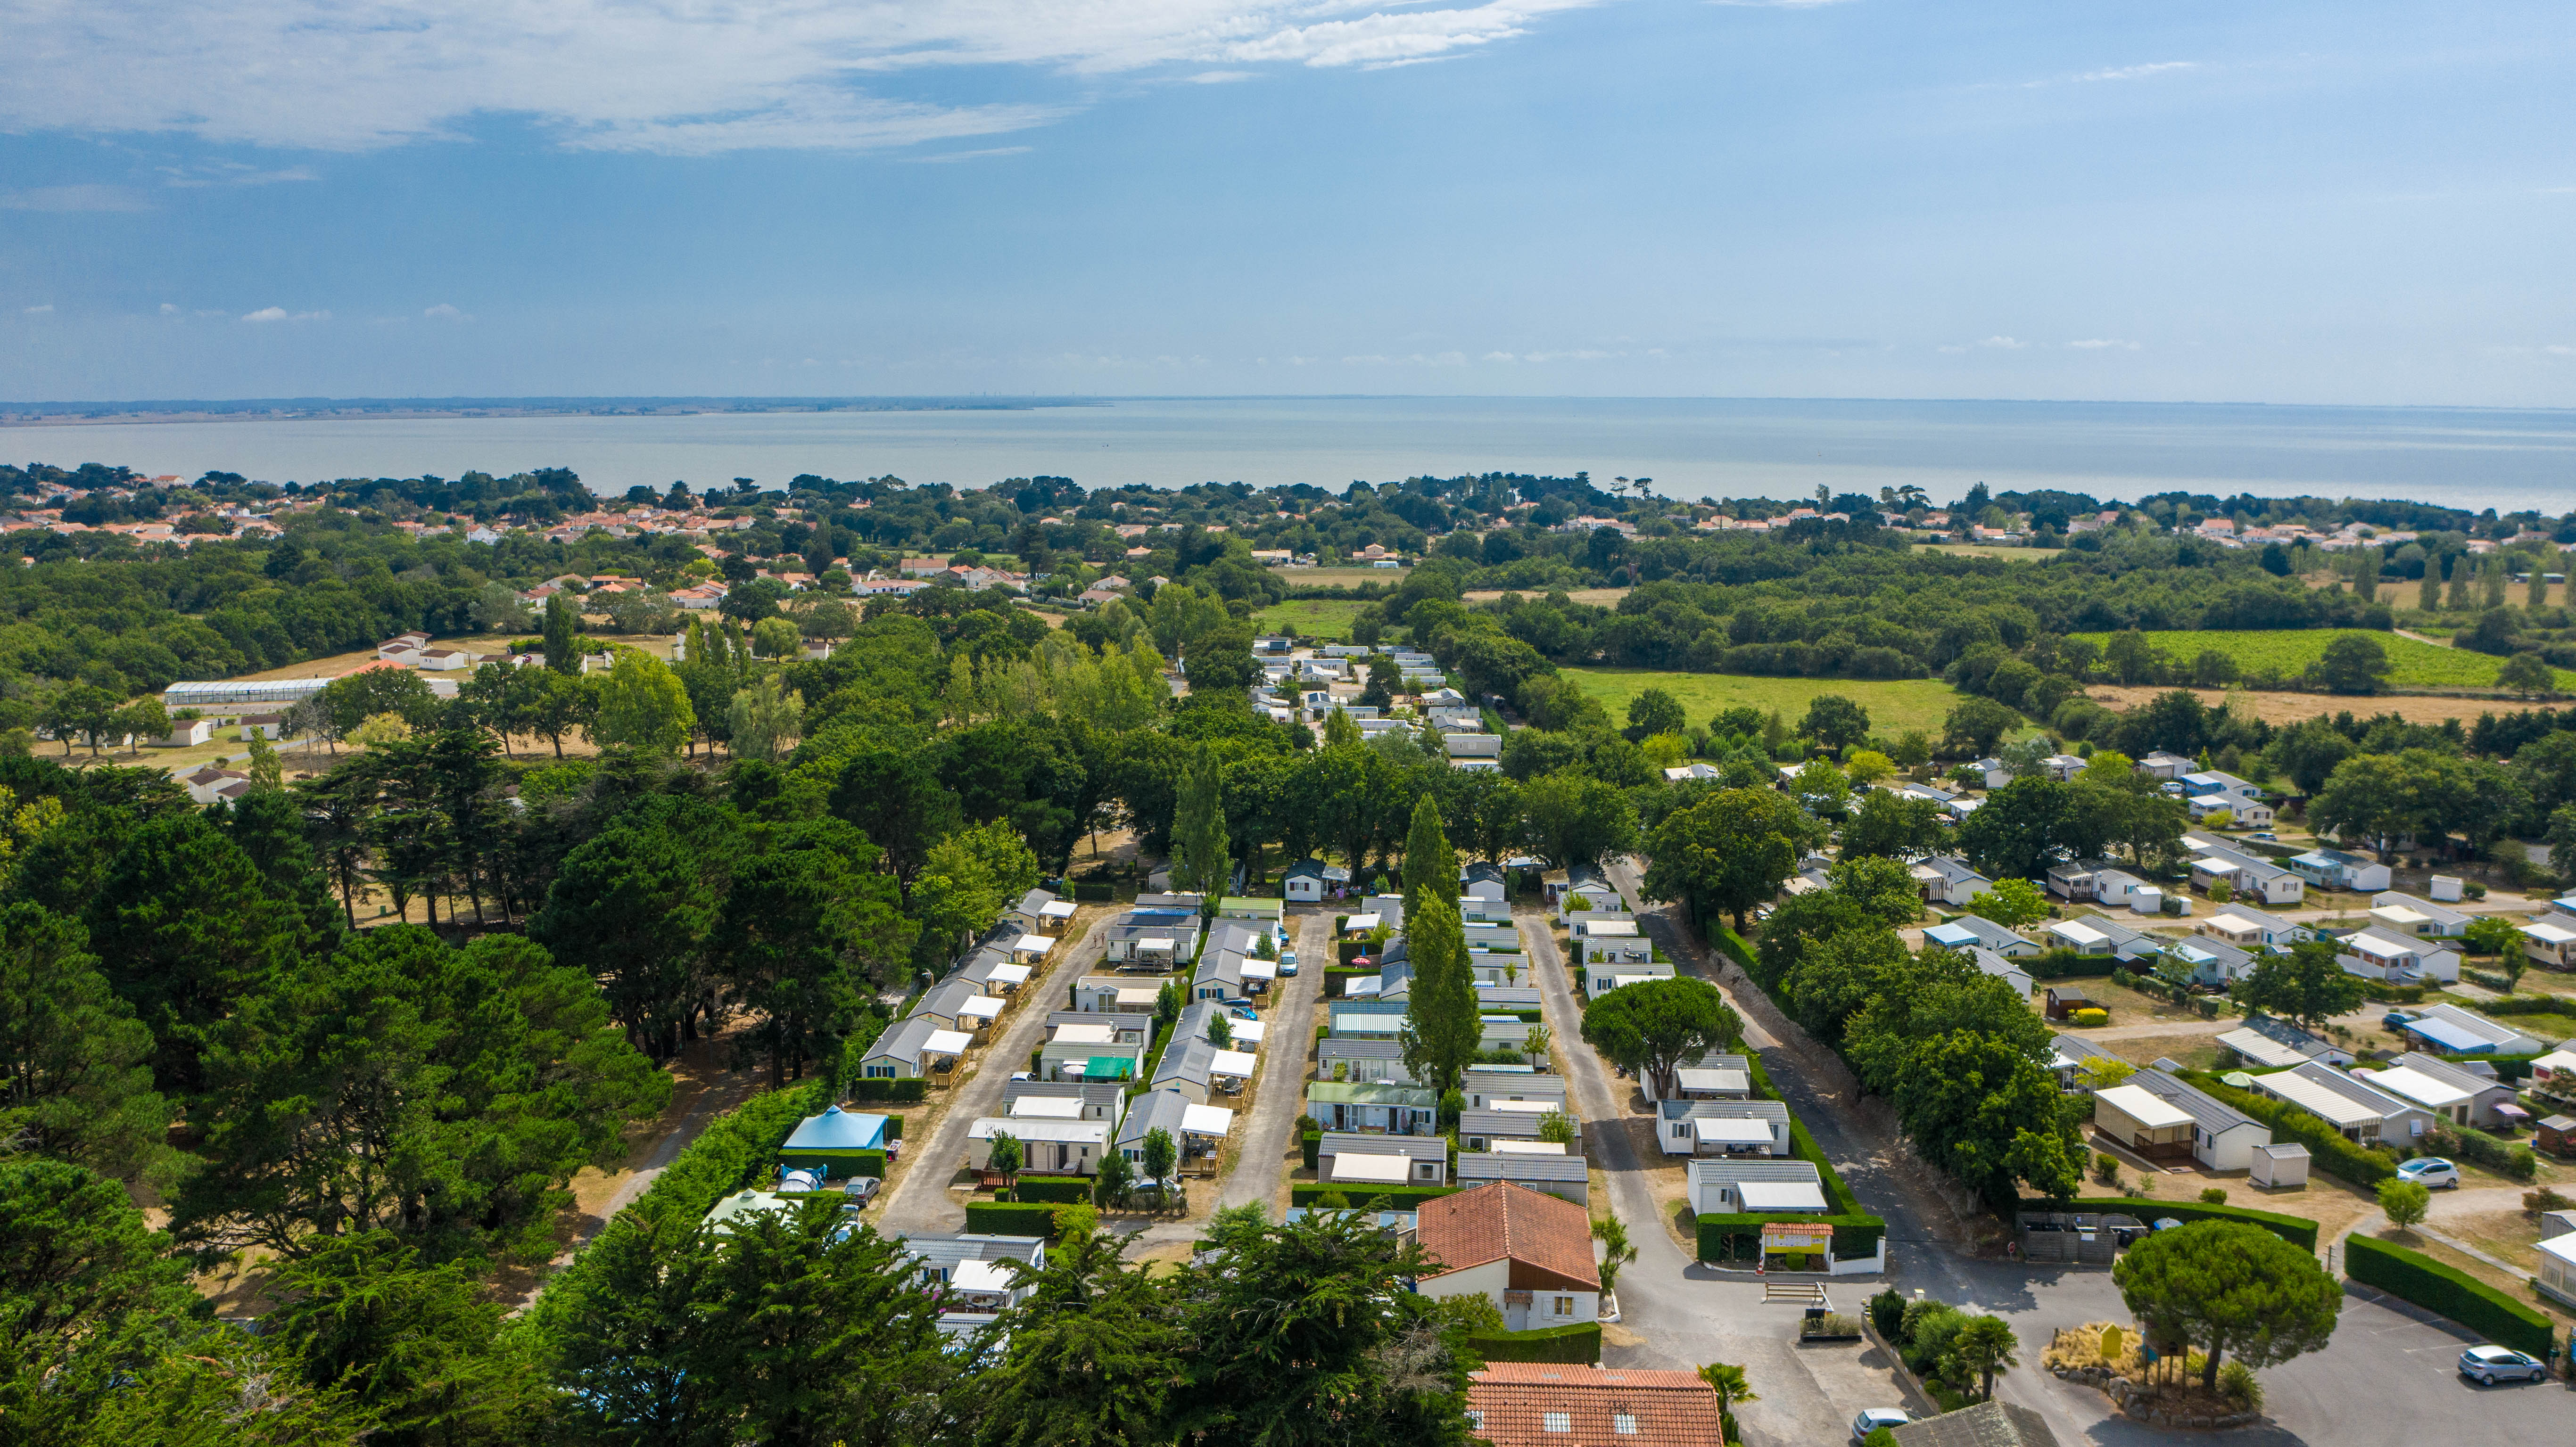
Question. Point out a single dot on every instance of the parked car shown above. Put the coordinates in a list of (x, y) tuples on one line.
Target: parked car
[(2394, 1018), (859, 1190), (1287, 962), (2264, 834), (2430, 1171), (2488, 1365), (1871, 1419)]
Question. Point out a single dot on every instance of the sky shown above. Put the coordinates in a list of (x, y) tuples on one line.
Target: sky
[(2348, 202)]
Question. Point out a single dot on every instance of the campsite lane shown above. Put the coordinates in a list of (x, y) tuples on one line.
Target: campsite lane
[(920, 1200), (1287, 1044)]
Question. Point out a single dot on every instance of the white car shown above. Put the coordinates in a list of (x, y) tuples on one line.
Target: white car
[(2488, 1365), (2432, 1171), (1874, 1418)]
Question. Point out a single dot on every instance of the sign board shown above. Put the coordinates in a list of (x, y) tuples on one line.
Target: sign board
[(1795, 1236)]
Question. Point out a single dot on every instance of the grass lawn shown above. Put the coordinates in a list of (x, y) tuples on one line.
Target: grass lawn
[(1313, 618), (1992, 550), (2416, 664), (1895, 705)]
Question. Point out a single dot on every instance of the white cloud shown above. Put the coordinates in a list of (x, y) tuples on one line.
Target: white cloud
[(2096, 344), (169, 310), (232, 173), (685, 79), (281, 314), (1219, 77), (2117, 72), (444, 311), (1500, 357), (2557, 349), (71, 198), (2003, 343), (947, 156), (37, 311)]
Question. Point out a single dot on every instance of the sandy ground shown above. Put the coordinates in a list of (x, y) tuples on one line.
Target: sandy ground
[(1602, 597)]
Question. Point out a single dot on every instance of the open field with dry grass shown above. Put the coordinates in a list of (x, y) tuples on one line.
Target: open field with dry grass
[(1895, 705)]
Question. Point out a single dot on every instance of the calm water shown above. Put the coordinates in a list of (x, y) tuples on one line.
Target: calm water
[(1692, 448)]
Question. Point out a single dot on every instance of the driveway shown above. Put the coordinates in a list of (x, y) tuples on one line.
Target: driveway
[(919, 1200), (1674, 1312), (1287, 1044)]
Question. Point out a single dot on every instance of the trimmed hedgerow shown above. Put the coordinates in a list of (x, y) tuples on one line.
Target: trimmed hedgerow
[(1053, 1190), (1011, 1218), (2416, 1277), (2289, 1228), (1728, 1235), (1397, 1198), (1577, 1344)]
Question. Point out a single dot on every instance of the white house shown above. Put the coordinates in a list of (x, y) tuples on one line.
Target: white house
[(2360, 1111), (2376, 956), (2258, 880), (911, 1049), (1304, 882), (1348, 1160), (2340, 869), (1722, 1127), (1969, 932), (2454, 1031), (2392, 913), (2215, 1134), (2550, 943), (1944, 880), (1727, 1185)]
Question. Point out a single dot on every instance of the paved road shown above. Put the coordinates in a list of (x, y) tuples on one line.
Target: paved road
[(920, 1199), (1287, 1043), (2386, 1379), (1688, 1314)]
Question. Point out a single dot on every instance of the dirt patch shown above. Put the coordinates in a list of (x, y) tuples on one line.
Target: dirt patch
[(2285, 708), (1599, 597), (2200, 1052)]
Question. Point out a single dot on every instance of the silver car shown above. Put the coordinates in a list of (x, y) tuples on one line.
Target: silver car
[(1875, 1418), (2488, 1365)]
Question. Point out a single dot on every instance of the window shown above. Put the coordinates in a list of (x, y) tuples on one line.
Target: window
[(1564, 1306), (1624, 1423), (1557, 1421)]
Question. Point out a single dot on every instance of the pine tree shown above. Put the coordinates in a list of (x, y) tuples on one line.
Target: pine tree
[(1441, 1022), (1201, 865), (1430, 865)]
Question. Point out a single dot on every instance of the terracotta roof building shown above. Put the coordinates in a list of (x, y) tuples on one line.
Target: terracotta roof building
[(1543, 1404), (1528, 1252)]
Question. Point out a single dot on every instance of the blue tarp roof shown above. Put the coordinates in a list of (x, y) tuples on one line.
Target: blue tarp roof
[(2449, 1036), (839, 1130)]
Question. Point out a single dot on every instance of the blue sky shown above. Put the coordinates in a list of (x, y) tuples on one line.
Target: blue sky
[(2294, 202)]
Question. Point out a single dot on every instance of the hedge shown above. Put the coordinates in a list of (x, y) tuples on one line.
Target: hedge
[(2289, 1228), (1153, 1059), (1011, 1218), (1579, 1344), (2067, 965), (1311, 1144), (869, 1163), (2342, 1159), (1397, 1198), (1054, 1190), (1839, 1200), (1337, 978), (736, 1149), (1854, 1234), (902, 1092), (1344, 951), (2416, 1277), (1093, 891)]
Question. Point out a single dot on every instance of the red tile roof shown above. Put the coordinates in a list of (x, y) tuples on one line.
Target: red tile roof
[(1535, 1404), (1507, 1220)]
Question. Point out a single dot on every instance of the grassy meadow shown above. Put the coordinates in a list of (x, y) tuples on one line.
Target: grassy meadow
[(1311, 617), (1895, 705), (2416, 664)]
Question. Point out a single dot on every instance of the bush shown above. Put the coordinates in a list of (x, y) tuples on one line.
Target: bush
[(1886, 1310), (2413, 1276), (2515, 1162), (1397, 1198), (1093, 891), (2090, 1015), (2214, 1196), (1310, 1145), (1011, 1218), (2069, 964), (2289, 1228), (1054, 1190), (2237, 1383), (1578, 1344), (902, 1092)]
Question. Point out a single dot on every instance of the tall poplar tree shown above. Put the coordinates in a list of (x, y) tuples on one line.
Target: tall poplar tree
[(563, 627), (1441, 1024), (1198, 829), (1430, 865)]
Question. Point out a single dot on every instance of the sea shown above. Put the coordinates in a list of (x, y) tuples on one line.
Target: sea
[(1691, 448)]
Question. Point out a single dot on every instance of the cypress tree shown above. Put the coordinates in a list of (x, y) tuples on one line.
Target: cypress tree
[(563, 654), (1441, 1024)]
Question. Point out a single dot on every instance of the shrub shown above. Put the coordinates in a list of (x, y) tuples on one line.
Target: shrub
[(1396, 1198), (2106, 1168), (1578, 1344), (902, 1092), (1310, 1144), (2214, 1196), (1886, 1312), (1092, 891), (2514, 1162), (1730, 1235), (1056, 1190), (1012, 1218), (2091, 1015), (2237, 1383), (2413, 1276), (2544, 1199)]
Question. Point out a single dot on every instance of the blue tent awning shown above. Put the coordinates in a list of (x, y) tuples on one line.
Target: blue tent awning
[(839, 1130)]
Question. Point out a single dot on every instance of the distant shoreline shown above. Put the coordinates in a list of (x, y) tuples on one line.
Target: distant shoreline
[(359, 409)]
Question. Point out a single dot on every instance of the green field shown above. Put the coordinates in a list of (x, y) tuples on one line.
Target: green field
[(2288, 651), (1895, 705), (1313, 618)]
